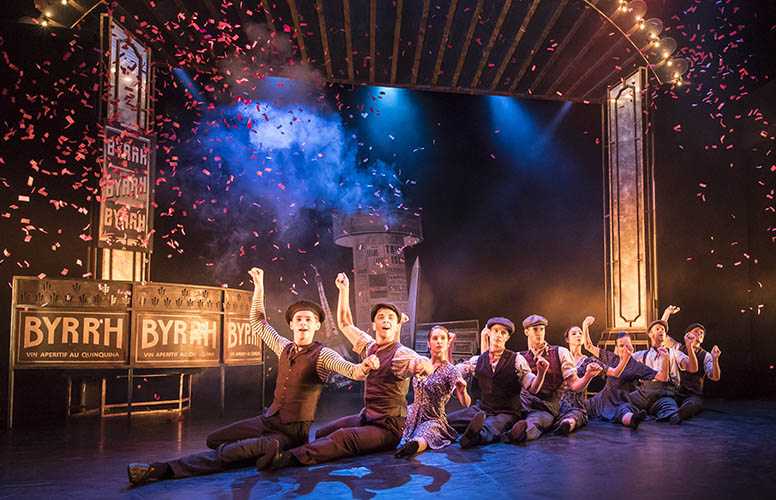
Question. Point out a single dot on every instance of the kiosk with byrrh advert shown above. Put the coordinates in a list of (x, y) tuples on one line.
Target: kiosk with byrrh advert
[(119, 325)]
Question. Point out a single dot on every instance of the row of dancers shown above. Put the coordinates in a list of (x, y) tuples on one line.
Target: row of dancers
[(523, 395)]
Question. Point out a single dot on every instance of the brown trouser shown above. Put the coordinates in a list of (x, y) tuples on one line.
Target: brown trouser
[(350, 436), (240, 444), (495, 423)]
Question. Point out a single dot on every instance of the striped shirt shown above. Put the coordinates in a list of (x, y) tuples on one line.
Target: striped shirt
[(328, 360)]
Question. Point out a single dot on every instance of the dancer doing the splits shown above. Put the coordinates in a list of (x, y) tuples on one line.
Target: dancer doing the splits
[(426, 425), (613, 403), (572, 410), (378, 427), (303, 367), (501, 375)]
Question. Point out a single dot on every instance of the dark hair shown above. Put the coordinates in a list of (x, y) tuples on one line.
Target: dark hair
[(439, 327), (566, 333), (621, 335)]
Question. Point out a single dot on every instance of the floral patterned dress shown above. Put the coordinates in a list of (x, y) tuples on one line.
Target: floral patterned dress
[(572, 403), (426, 416)]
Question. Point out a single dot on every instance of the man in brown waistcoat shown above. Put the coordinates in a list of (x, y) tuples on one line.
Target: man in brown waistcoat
[(304, 365), (501, 375), (543, 407), (379, 425)]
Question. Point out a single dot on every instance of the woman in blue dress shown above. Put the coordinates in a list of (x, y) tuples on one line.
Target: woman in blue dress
[(613, 403), (426, 424)]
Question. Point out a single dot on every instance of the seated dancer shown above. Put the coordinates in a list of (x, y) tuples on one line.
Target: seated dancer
[(572, 413), (690, 394), (303, 367), (613, 403), (543, 407), (659, 398), (426, 424), (378, 427), (501, 375)]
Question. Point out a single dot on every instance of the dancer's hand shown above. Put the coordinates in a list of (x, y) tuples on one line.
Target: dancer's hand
[(628, 350), (593, 369), (452, 338), (371, 363), (662, 351), (342, 282), (460, 385), (404, 318), (671, 310), (715, 352), (689, 338), (542, 364), (257, 275), (588, 321)]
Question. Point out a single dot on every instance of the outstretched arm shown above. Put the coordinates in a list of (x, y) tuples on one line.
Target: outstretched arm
[(344, 315), (580, 383), (592, 349), (258, 317), (330, 361)]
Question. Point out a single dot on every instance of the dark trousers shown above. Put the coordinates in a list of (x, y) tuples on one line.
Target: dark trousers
[(240, 444), (495, 424), (348, 437), (661, 404), (689, 404)]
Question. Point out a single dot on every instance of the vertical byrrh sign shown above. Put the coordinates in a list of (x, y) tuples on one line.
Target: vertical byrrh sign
[(125, 196)]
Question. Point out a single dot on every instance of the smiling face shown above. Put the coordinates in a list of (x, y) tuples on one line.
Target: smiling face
[(657, 335), (304, 324), (574, 336), (386, 325), (497, 338), (438, 340), (535, 335)]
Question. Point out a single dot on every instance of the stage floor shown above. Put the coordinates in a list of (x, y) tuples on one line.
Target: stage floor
[(728, 451)]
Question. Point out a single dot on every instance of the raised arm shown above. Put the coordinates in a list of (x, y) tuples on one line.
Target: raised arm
[(662, 375), (258, 317), (541, 370), (715, 371), (624, 359), (484, 340), (690, 363), (461, 393), (592, 349), (670, 311), (344, 315)]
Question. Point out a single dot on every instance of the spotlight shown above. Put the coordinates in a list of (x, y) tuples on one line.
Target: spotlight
[(64, 2), (44, 23), (669, 63)]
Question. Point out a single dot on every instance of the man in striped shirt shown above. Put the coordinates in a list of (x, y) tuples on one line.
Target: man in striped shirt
[(304, 365)]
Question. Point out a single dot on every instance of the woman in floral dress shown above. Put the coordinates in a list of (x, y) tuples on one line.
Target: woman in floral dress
[(426, 424)]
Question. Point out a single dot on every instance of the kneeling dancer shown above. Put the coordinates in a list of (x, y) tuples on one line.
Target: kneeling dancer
[(303, 367), (501, 375), (378, 427)]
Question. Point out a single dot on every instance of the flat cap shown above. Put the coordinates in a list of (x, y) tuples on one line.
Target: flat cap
[(384, 305), (498, 320), (534, 320), (305, 305), (657, 322)]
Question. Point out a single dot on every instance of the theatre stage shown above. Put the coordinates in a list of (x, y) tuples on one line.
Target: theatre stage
[(729, 451)]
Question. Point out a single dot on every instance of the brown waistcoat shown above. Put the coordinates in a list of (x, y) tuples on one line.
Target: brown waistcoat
[(385, 394), (298, 385)]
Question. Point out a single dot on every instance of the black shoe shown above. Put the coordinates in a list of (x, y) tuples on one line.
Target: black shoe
[(637, 418), (685, 412), (516, 434), (563, 429), (675, 419), (472, 434), (407, 450), (145, 473), (270, 454)]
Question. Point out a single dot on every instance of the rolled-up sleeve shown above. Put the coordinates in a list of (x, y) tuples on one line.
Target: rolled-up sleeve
[(363, 345), (680, 358), (524, 371), (567, 366), (402, 360), (708, 364)]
